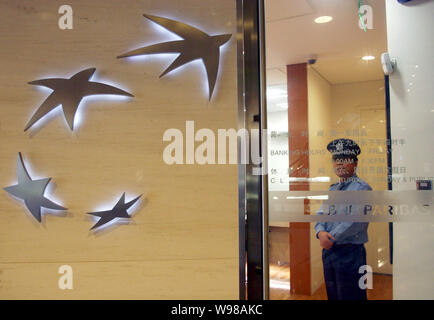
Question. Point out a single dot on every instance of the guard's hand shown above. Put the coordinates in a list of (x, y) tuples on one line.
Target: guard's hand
[(325, 239)]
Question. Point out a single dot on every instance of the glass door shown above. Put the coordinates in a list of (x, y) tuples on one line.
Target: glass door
[(347, 191)]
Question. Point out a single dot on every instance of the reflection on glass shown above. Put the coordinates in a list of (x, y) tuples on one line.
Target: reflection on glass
[(325, 82)]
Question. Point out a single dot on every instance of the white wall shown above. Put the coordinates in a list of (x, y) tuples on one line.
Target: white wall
[(409, 31)]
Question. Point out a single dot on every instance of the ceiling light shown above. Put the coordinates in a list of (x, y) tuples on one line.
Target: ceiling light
[(323, 19), (368, 58)]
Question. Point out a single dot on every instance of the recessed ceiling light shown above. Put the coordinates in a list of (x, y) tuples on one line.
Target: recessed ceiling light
[(323, 19), (368, 58)]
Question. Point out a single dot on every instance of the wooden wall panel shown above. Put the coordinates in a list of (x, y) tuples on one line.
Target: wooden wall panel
[(298, 130), (173, 279), (186, 224)]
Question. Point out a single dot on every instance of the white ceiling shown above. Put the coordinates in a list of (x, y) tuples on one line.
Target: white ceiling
[(292, 35)]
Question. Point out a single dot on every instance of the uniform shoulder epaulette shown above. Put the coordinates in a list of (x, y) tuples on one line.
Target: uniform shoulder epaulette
[(363, 183)]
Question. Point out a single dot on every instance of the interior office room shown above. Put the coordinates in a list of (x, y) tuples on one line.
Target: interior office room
[(125, 170), (322, 87)]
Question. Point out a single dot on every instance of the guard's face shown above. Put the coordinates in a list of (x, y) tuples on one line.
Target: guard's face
[(344, 167)]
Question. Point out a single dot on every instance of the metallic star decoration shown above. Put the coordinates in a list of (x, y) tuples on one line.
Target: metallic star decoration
[(31, 191), (118, 211), (196, 45), (69, 93)]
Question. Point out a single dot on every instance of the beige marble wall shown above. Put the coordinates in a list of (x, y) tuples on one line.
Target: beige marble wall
[(361, 106), (183, 240), (348, 107)]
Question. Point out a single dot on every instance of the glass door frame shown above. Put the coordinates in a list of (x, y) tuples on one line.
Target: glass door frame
[(252, 188)]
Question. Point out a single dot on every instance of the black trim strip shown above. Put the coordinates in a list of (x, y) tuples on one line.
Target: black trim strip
[(389, 158), (252, 190)]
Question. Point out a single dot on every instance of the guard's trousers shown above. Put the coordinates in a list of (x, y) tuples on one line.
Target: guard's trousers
[(341, 271)]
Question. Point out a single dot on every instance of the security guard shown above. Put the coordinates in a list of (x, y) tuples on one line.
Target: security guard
[(342, 242)]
